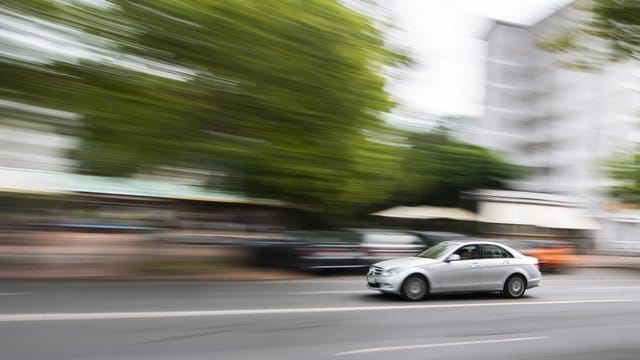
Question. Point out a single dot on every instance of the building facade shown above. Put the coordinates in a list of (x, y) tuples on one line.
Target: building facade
[(561, 124)]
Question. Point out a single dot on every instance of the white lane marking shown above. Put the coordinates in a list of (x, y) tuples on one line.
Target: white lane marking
[(573, 281), (307, 281), (13, 294), (360, 279), (608, 287), (545, 280), (424, 346), (196, 313), (331, 292)]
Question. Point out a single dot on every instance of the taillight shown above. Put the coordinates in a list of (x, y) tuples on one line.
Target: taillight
[(537, 266)]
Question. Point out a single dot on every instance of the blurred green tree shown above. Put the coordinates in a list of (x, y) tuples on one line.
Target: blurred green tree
[(283, 93), (286, 98), (438, 167), (626, 170), (602, 31)]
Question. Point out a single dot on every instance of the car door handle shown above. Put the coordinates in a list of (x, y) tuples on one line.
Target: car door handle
[(506, 262), (475, 264)]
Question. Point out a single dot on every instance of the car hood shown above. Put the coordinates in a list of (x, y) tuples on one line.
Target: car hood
[(405, 262)]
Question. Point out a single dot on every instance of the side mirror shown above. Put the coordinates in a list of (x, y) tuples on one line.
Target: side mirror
[(453, 257)]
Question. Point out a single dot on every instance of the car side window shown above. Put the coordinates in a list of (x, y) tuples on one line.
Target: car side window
[(468, 252), (494, 252)]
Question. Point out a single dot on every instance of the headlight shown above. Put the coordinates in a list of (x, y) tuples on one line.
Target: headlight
[(390, 272)]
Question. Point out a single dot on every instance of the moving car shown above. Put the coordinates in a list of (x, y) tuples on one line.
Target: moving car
[(457, 266), (554, 255), (310, 250)]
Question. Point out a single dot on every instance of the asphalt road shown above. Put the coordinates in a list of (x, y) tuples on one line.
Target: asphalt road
[(586, 314)]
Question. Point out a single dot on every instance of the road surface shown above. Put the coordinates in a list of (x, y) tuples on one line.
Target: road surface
[(582, 315)]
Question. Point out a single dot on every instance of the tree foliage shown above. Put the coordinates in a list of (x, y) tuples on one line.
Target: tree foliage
[(279, 91), (286, 97), (438, 168), (626, 170), (605, 31)]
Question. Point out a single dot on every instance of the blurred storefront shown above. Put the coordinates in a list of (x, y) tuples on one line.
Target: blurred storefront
[(64, 201), (56, 224), (519, 214), (620, 229)]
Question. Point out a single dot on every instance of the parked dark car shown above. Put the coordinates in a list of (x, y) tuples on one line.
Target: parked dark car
[(353, 248), (312, 250)]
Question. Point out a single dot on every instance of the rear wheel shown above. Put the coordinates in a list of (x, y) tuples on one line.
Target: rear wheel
[(514, 287), (414, 288)]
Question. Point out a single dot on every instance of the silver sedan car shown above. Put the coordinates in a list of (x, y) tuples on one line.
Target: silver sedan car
[(457, 266)]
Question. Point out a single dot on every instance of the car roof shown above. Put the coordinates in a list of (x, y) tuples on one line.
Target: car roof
[(382, 231), (473, 241), (437, 233)]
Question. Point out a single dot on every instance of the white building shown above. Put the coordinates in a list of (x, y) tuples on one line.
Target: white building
[(28, 139), (563, 125), (35, 150)]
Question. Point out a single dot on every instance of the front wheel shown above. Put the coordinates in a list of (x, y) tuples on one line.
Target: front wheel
[(414, 288), (514, 287)]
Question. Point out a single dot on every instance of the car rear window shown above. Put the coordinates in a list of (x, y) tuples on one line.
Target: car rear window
[(494, 252)]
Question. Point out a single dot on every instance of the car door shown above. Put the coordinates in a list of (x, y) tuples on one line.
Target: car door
[(495, 265), (460, 275)]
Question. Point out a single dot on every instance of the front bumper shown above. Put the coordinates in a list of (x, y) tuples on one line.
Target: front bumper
[(388, 284)]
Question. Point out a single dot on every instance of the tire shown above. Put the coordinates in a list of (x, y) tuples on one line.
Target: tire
[(514, 287), (414, 288)]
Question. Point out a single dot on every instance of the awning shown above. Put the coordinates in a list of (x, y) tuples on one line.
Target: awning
[(547, 216), (427, 212), (48, 182)]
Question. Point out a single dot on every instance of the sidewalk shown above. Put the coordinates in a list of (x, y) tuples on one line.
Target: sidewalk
[(89, 256), (609, 261), (93, 256), (227, 274)]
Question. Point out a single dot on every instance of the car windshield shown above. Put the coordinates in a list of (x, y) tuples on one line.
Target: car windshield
[(436, 251)]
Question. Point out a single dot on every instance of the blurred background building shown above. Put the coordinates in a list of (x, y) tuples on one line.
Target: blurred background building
[(563, 125), (37, 146), (459, 127)]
